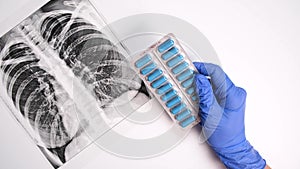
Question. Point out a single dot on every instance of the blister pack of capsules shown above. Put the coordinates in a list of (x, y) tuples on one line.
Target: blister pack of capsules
[(169, 74)]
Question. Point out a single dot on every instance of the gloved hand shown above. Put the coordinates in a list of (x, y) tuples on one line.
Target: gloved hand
[(222, 107)]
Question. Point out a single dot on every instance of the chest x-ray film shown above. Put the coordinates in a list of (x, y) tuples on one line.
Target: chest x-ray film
[(65, 79)]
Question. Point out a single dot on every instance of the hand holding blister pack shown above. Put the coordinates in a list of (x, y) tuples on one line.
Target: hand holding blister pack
[(169, 74)]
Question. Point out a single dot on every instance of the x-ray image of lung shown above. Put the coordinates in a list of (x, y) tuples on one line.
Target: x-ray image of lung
[(65, 79)]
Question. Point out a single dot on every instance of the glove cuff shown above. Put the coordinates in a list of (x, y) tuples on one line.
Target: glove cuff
[(241, 156)]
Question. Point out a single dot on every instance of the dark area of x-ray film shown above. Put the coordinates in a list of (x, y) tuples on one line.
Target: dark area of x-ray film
[(61, 35)]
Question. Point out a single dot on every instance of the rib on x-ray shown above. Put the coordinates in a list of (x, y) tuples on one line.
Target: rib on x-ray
[(60, 33)]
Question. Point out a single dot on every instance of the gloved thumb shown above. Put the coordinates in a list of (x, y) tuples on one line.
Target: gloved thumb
[(207, 100), (210, 111)]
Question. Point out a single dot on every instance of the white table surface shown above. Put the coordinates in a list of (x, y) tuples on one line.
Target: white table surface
[(258, 44)]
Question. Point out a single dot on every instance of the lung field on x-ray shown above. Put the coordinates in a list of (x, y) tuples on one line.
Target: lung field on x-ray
[(91, 56), (34, 89)]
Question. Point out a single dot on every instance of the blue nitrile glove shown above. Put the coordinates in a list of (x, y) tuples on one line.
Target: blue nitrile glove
[(222, 109)]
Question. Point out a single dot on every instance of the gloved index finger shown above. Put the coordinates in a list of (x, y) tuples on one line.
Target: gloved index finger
[(215, 72), (220, 81), (201, 68)]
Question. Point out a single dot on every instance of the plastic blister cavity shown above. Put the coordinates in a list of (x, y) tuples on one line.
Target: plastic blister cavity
[(169, 74)]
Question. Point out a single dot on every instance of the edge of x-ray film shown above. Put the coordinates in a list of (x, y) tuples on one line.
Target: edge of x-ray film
[(85, 114), (156, 65)]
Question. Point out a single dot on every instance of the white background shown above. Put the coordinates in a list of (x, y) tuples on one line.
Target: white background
[(258, 44)]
